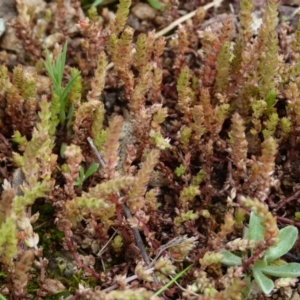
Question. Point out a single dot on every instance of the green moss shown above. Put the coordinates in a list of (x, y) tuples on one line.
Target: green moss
[(50, 236), (33, 285)]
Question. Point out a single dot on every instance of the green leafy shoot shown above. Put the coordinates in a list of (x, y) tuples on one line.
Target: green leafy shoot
[(179, 171), (55, 69), (266, 267), (180, 274), (84, 175)]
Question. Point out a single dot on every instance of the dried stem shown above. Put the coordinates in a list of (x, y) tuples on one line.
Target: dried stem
[(184, 18)]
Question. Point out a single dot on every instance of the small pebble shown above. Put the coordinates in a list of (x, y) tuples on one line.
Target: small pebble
[(143, 11), (2, 26)]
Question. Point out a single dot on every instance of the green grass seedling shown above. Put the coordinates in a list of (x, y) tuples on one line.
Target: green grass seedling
[(55, 69), (172, 281)]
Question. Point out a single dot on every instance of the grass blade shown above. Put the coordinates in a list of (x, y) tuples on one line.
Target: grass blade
[(172, 281)]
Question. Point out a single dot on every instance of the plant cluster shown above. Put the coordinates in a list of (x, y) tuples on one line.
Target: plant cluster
[(152, 154)]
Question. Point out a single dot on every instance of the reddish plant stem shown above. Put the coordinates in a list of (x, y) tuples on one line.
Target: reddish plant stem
[(76, 258), (251, 260), (288, 221), (289, 199)]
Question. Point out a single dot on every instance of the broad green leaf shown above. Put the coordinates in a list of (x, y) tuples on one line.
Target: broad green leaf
[(230, 259), (78, 182), (256, 230), (287, 238), (155, 4), (248, 288), (287, 270), (263, 282), (260, 264), (91, 170)]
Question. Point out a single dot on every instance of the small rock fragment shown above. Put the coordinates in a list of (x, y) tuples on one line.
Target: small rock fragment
[(2, 26), (143, 11)]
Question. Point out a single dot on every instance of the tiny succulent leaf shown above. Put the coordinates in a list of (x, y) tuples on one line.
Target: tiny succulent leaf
[(271, 100), (287, 238), (297, 215), (179, 171), (287, 270), (263, 282), (230, 259), (256, 230)]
